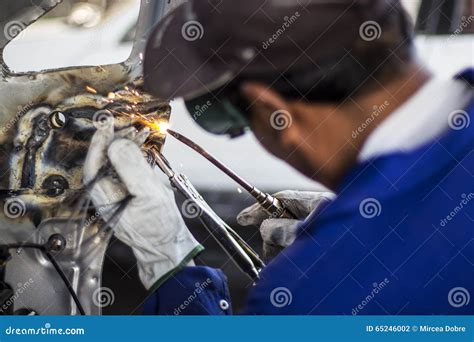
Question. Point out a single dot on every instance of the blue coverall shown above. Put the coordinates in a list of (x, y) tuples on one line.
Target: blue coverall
[(413, 255)]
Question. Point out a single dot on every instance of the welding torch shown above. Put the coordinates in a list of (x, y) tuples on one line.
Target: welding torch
[(235, 247), (272, 205)]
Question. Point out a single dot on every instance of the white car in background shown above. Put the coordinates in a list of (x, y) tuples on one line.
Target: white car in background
[(445, 34), (52, 43)]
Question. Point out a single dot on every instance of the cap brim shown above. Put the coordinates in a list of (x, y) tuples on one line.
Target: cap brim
[(175, 65)]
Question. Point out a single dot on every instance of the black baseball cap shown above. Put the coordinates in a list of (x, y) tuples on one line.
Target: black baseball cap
[(204, 44)]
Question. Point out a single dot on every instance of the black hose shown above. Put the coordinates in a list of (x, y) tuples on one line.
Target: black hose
[(56, 266), (66, 282)]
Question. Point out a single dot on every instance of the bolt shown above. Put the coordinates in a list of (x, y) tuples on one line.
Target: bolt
[(55, 185), (57, 120), (56, 243)]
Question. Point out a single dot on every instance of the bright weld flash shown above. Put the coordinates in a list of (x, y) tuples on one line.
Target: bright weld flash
[(160, 127)]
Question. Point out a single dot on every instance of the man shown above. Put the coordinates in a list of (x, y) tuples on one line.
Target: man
[(334, 88)]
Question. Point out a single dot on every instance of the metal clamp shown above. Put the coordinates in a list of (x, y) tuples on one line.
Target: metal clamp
[(235, 247)]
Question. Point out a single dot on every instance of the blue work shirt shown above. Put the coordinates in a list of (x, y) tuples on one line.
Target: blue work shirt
[(398, 239)]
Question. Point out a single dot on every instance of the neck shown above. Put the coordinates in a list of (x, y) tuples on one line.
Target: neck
[(359, 117), (371, 110)]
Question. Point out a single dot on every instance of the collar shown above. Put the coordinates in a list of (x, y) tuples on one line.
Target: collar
[(424, 117)]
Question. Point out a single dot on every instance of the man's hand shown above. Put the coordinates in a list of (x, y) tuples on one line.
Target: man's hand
[(280, 233), (151, 223)]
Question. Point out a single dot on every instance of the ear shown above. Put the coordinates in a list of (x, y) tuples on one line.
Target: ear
[(269, 110), (271, 118), (261, 96)]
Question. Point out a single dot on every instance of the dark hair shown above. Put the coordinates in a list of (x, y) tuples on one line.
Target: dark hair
[(353, 72)]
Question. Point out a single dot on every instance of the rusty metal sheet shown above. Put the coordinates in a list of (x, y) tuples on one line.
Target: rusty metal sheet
[(47, 121)]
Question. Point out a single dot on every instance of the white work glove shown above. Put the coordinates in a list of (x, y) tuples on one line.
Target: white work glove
[(151, 224), (279, 233)]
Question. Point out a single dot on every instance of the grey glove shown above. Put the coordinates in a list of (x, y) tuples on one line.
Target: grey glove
[(282, 232), (151, 224)]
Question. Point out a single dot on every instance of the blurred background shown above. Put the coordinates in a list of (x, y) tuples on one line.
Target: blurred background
[(98, 32)]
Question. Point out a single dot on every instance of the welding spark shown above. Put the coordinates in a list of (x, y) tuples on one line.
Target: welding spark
[(157, 126), (160, 126)]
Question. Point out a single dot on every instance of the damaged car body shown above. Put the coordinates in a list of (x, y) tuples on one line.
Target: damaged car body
[(51, 236)]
